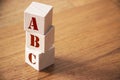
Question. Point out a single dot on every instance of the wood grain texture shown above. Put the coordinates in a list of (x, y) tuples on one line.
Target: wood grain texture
[(87, 41)]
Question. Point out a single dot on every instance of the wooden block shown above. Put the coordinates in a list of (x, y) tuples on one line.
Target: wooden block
[(39, 60), (38, 18), (40, 42)]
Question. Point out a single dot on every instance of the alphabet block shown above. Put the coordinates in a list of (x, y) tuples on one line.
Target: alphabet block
[(39, 60), (38, 18), (40, 42)]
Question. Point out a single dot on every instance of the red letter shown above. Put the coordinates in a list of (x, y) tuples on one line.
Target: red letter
[(33, 24), (30, 58), (33, 40)]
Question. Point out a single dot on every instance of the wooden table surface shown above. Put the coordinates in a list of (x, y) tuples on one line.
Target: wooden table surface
[(87, 41)]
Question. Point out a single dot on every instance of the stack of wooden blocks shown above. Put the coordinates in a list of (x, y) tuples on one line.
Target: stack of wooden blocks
[(39, 48)]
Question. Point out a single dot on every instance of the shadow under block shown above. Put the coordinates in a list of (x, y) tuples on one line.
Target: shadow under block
[(40, 42), (39, 60), (41, 14)]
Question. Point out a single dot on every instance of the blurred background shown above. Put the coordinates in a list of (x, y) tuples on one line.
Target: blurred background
[(87, 40)]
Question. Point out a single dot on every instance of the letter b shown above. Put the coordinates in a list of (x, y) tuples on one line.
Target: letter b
[(34, 41)]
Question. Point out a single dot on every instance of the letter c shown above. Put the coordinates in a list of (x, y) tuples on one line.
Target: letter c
[(31, 57)]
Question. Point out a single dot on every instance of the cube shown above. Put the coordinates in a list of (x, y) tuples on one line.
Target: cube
[(40, 42), (38, 18), (39, 60)]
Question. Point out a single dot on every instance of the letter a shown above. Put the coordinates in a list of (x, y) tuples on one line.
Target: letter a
[(31, 58), (34, 39), (33, 24)]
